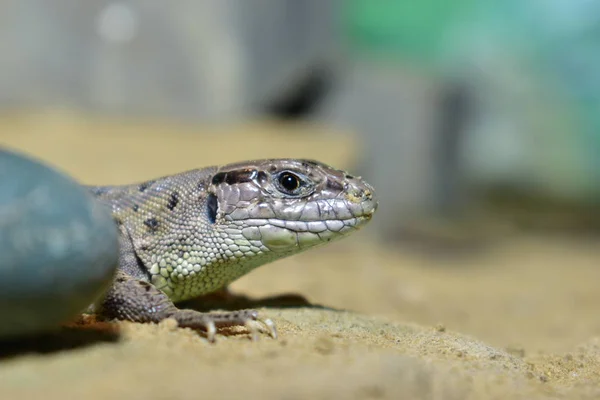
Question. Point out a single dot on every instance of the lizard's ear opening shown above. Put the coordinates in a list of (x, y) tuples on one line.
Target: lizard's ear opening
[(212, 206)]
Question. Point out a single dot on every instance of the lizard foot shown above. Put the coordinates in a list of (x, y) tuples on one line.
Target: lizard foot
[(131, 299), (210, 322)]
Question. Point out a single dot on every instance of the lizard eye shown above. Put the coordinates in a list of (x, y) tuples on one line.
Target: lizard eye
[(289, 183), (293, 184)]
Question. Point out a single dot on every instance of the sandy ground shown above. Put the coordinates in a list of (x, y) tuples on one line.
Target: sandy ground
[(517, 320)]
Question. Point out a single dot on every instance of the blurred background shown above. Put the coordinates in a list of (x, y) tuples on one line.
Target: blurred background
[(444, 107), (476, 121)]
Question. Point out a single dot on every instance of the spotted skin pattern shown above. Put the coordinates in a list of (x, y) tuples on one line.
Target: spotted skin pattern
[(191, 234)]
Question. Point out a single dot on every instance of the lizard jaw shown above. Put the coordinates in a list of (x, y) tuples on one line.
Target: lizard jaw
[(283, 236)]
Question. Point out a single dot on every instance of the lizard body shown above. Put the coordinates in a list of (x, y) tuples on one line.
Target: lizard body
[(190, 234)]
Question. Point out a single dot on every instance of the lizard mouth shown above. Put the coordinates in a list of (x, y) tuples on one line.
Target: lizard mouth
[(282, 235), (332, 225)]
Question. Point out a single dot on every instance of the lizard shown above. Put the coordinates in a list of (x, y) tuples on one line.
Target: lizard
[(190, 234)]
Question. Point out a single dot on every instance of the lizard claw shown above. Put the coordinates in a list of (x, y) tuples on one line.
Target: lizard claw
[(270, 325), (267, 324), (211, 330)]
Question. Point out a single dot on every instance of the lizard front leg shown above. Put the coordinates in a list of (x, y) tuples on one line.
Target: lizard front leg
[(135, 300), (132, 298)]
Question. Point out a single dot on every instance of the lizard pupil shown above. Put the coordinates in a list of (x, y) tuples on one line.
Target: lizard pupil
[(289, 181)]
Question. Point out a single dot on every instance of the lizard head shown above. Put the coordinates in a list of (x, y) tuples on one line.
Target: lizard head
[(283, 206)]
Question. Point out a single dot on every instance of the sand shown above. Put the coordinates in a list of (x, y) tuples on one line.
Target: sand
[(358, 320)]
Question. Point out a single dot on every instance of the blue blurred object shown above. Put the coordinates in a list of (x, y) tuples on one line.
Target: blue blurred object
[(58, 247)]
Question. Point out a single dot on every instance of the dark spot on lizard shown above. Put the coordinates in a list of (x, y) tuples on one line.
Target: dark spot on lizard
[(173, 201), (235, 176), (119, 221), (145, 185), (212, 207), (152, 224), (347, 176), (240, 176), (144, 247), (309, 164), (219, 178), (135, 207), (334, 185)]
